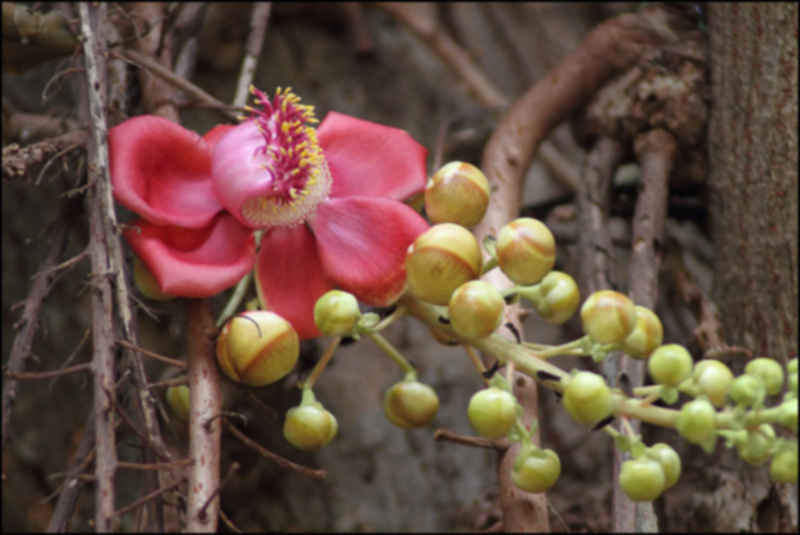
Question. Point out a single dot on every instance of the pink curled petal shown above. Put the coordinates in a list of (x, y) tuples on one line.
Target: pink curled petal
[(370, 159), (194, 262), (289, 277), (362, 242), (238, 168), (213, 136), (162, 171)]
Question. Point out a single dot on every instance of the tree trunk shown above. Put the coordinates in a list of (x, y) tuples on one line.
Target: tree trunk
[(753, 191)]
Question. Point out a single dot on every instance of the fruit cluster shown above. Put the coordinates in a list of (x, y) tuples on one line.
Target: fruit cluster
[(443, 269)]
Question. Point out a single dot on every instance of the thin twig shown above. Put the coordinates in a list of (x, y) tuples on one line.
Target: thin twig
[(228, 522), (234, 467), (153, 466), (258, 26), (281, 461), (71, 486), (176, 81), (53, 373), (20, 162), (146, 498), (151, 354), (476, 442), (23, 341)]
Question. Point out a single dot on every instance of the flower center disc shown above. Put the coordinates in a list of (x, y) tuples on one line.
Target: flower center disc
[(292, 157)]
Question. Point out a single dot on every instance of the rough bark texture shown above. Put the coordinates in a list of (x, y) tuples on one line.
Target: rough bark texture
[(753, 183)]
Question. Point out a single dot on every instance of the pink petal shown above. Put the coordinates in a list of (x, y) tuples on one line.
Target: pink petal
[(162, 172), (371, 159), (194, 262), (212, 136), (362, 242), (238, 169), (289, 276)]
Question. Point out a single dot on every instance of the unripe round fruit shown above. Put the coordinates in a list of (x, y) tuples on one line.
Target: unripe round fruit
[(536, 471), (146, 282), (559, 297), (526, 250), (714, 380), (670, 462), (646, 335), (440, 260), (476, 309), (457, 193), (669, 364), (642, 479), (783, 467), (336, 313), (410, 404), (257, 348), (178, 401), (608, 317), (756, 448), (492, 412), (769, 371), (788, 417), (587, 398), (747, 390), (695, 421), (309, 427)]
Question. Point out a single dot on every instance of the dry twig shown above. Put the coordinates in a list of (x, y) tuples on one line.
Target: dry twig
[(258, 28)]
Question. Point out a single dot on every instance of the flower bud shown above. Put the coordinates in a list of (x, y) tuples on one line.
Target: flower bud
[(669, 460), (146, 282), (410, 404), (336, 313), (492, 412), (756, 449), (559, 297), (713, 379), (747, 390), (178, 401), (457, 193), (783, 468), (257, 348), (535, 471), (526, 250), (587, 398), (309, 426), (440, 260), (476, 309), (695, 421), (642, 479), (769, 371), (788, 414), (669, 364), (608, 317), (646, 335)]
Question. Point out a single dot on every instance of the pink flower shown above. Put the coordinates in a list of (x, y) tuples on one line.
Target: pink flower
[(329, 202)]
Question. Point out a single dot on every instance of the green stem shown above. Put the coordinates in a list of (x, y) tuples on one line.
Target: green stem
[(235, 300), (389, 349), (575, 348), (398, 312), (322, 363), (489, 264)]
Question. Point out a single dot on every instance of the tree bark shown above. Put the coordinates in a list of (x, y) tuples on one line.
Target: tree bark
[(753, 187)]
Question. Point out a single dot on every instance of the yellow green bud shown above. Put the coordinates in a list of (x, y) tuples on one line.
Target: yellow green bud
[(178, 401), (476, 309), (146, 282), (336, 313), (587, 398), (558, 297), (526, 250), (769, 371), (492, 412), (309, 426), (457, 193), (608, 317), (669, 364), (646, 335), (410, 404), (713, 379)]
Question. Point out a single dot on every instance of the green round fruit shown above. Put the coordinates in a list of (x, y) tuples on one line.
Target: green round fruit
[(783, 467), (642, 480), (526, 250), (492, 412), (608, 317), (476, 309), (536, 471), (587, 398), (769, 371), (559, 297), (410, 404), (756, 449), (747, 390), (440, 260), (457, 193), (670, 462), (646, 336), (309, 427), (669, 364), (714, 379), (695, 421)]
